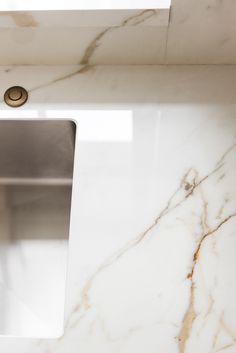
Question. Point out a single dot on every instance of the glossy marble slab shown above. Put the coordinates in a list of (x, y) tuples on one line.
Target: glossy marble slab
[(152, 253), (123, 44), (118, 32), (85, 18), (202, 32), (76, 33)]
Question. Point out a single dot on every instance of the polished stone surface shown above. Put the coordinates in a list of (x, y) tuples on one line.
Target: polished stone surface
[(152, 32), (152, 252)]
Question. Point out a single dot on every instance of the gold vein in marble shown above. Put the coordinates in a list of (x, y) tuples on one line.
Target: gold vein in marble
[(190, 314), (188, 184), (130, 21), (80, 70)]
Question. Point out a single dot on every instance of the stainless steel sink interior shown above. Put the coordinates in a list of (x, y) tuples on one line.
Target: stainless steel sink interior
[(36, 169)]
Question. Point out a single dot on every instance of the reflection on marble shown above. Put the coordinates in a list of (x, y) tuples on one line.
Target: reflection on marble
[(152, 253)]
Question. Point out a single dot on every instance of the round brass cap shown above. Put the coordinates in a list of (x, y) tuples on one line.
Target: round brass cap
[(15, 96)]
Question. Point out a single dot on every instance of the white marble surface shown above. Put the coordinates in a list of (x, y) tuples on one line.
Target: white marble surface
[(86, 37), (84, 18), (202, 32), (87, 45), (152, 252), (190, 32)]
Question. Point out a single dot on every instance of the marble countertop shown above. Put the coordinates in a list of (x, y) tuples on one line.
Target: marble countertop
[(152, 248)]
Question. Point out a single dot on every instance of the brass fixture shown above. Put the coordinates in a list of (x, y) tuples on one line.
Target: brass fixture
[(15, 96)]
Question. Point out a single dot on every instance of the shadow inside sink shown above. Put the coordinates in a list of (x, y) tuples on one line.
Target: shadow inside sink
[(36, 169)]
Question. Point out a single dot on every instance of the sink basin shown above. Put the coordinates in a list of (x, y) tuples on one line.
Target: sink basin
[(36, 170)]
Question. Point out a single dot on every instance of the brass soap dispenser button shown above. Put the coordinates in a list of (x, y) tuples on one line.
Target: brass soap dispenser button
[(15, 96)]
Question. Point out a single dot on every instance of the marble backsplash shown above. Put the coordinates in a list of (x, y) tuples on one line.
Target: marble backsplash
[(188, 32), (77, 37)]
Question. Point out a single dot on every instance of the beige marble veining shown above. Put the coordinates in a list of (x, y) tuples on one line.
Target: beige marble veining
[(152, 252), (188, 32)]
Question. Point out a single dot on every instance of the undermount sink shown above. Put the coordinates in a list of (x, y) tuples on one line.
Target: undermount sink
[(36, 170)]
